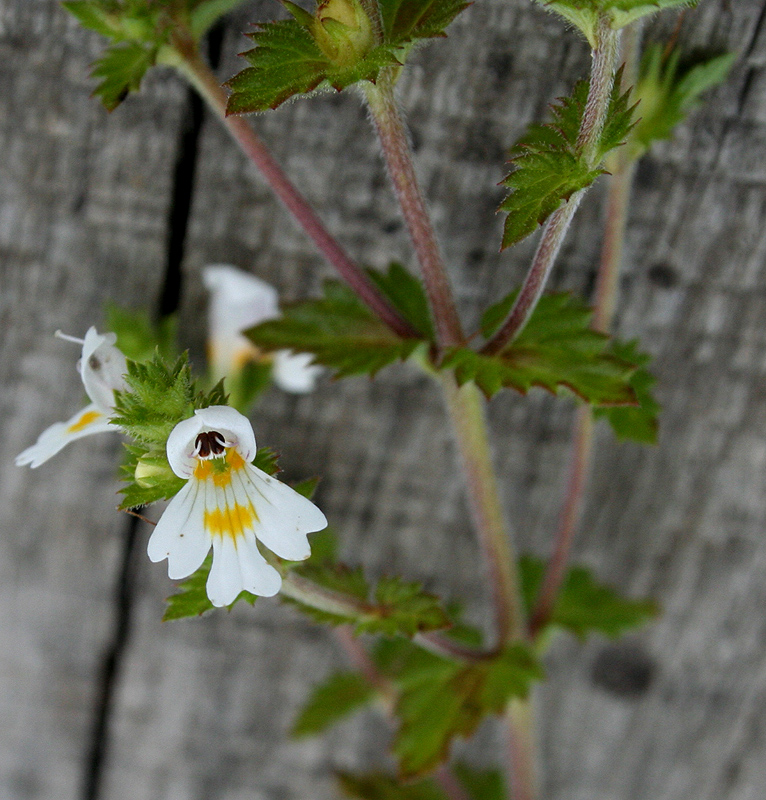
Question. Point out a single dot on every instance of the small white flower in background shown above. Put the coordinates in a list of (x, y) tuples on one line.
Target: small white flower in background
[(238, 301), (229, 503), (101, 367)]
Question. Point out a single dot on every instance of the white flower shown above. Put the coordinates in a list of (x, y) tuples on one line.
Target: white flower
[(101, 367), (238, 301), (229, 503)]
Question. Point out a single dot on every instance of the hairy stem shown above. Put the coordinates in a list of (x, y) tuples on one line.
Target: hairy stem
[(607, 286), (396, 151), (523, 750), (193, 67), (555, 229), (466, 412)]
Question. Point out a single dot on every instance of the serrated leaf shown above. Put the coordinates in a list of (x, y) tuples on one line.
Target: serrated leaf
[(191, 599), (120, 70), (406, 294), (548, 165), (669, 89), (584, 605), (287, 61), (464, 694), (91, 16), (377, 786), (337, 697), (394, 607), (585, 14), (555, 350), (338, 329), (407, 20), (634, 423)]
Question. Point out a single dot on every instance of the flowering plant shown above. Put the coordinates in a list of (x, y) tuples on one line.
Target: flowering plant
[(190, 443)]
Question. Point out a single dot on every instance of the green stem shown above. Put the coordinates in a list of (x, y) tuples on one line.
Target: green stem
[(466, 411), (523, 750), (607, 287), (194, 69), (396, 151), (305, 591), (555, 229)]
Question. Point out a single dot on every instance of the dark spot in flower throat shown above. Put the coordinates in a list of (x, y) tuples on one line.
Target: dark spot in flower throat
[(210, 444)]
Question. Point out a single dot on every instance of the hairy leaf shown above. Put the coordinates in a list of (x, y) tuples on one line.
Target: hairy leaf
[(669, 89), (93, 16), (409, 20), (337, 697), (338, 329), (120, 71), (463, 693), (405, 292), (555, 350), (585, 606), (634, 423), (585, 14), (548, 165)]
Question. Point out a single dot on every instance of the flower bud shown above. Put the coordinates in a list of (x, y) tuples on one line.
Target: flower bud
[(150, 471), (343, 31)]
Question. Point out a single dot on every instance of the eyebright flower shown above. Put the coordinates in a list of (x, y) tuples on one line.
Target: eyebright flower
[(239, 300), (101, 367), (228, 503)]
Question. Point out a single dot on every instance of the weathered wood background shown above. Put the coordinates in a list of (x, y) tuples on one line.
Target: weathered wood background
[(100, 699)]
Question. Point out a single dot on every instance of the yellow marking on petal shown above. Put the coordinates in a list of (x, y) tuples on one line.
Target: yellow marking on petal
[(219, 469), (84, 421), (234, 459), (230, 521)]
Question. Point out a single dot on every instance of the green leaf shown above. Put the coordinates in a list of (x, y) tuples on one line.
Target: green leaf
[(248, 384), (205, 14), (585, 606), (120, 70), (463, 694), (634, 423), (481, 784), (405, 292), (405, 21), (339, 330), (555, 350), (377, 786), (287, 61), (549, 167), (585, 14), (191, 599), (669, 89), (91, 16), (337, 697), (138, 336)]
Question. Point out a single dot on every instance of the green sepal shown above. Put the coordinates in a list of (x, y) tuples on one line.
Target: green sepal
[(330, 701), (634, 423), (289, 61), (138, 336), (668, 89), (585, 606), (464, 695), (585, 14), (120, 70), (339, 331), (548, 165), (191, 599), (556, 350)]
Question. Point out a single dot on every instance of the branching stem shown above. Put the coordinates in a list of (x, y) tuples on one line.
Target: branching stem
[(397, 153), (555, 229), (194, 68)]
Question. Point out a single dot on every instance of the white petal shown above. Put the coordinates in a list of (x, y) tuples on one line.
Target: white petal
[(224, 582), (238, 301), (51, 440), (180, 534), (236, 427), (285, 517), (102, 368), (180, 446), (258, 576), (294, 372)]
